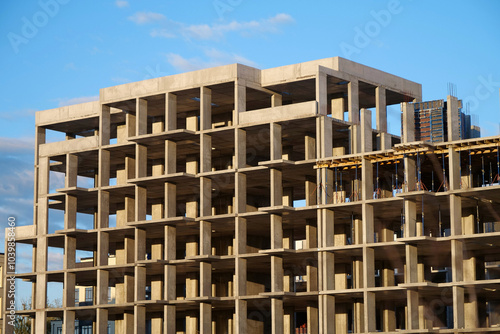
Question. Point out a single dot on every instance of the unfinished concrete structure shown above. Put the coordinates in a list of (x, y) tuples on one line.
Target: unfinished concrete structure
[(238, 200)]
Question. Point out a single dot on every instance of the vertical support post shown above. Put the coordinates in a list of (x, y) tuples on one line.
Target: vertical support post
[(170, 112), (321, 93), (206, 108), (381, 107), (141, 112), (408, 134)]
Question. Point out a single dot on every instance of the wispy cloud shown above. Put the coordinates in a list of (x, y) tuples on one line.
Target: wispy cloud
[(10, 145), (164, 33), (146, 17), (16, 115), (121, 3), (216, 31), (55, 260), (213, 56), (75, 100)]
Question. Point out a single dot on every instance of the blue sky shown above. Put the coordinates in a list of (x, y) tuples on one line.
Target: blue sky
[(59, 52)]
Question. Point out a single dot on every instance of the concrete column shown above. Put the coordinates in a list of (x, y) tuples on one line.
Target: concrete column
[(102, 248), (205, 238), (369, 311), (277, 316), (355, 139), (240, 190), (411, 274), (458, 307), (454, 169), (326, 134), (367, 180), (275, 141), (69, 290), (71, 171), (366, 130), (410, 226), (368, 267), (104, 125), (141, 161), (101, 321), (170, 112), (328, 228), (381, 106), (68, 325), (408, 134), (276, 274), (310, 189), (341, 319), (455, 215), (240, 144), (170, 157), (69, 252), (205, 279), (240, 248), (457, 260), (240, 317), (140, 283), (70, 206), (205, 153), (312, 319), (240, 275), (310, 147), (192, 164), (169, 320), (276, 187), (130, 123), (276, 232), (139, 319), (140, 203), (192, 121), (205, 196), (453, 118), (158, 125), (412, 321), (205, 318), (353, 101), (276, 100), (205, 108), (327, 311), (170, 200), (240, 100), (321, 93), (338, 106), (102, 210), (141, 112), (388, 317)]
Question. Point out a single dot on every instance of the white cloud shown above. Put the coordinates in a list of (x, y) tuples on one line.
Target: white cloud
[(162, 33), (16, 115), (146, 17), (214, 58), (75, 100), (55, 260), (213, 31), (9, 145), (121, 3), (205, 31)]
